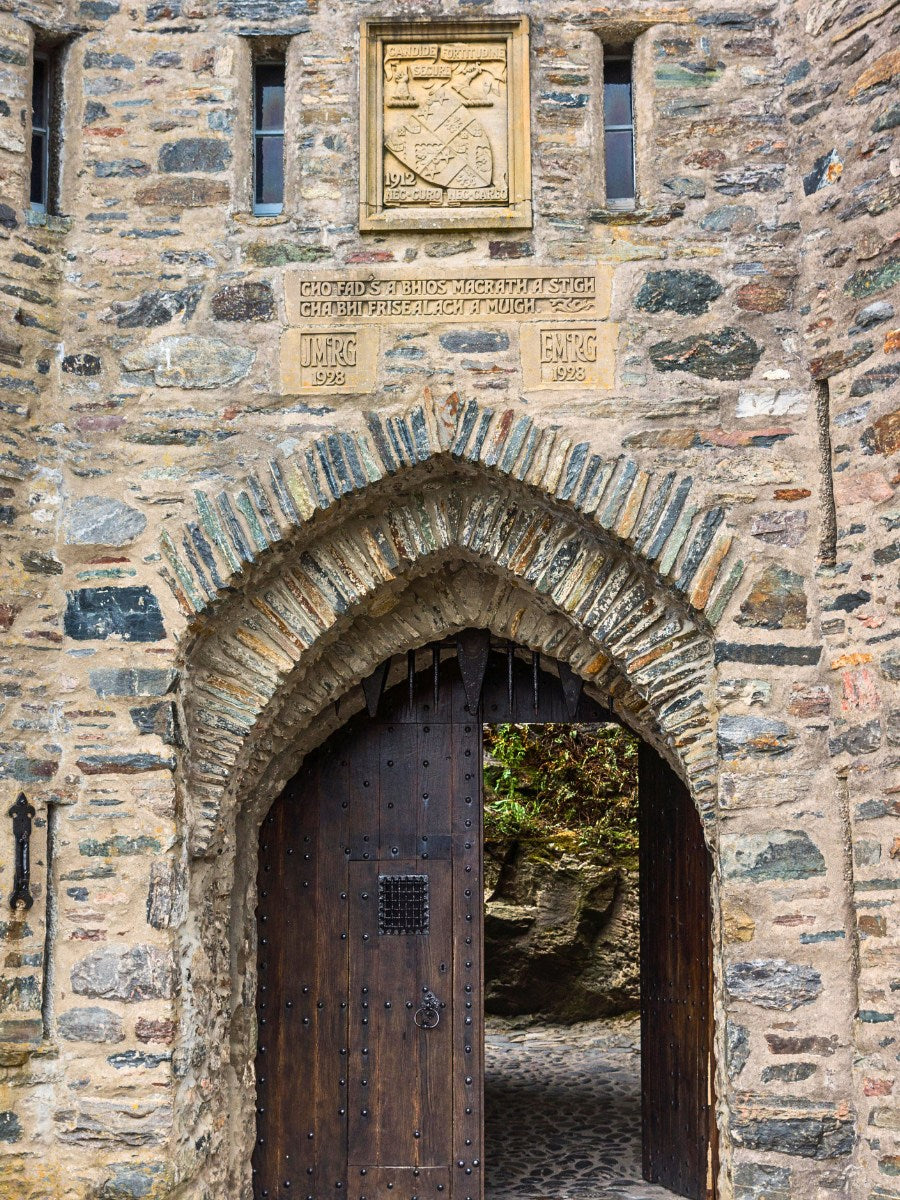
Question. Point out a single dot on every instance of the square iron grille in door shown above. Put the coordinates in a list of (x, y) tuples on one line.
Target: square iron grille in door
[(402, 903)]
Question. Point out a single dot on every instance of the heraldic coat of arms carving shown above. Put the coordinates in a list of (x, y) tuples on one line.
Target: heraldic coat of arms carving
[(445, 124)]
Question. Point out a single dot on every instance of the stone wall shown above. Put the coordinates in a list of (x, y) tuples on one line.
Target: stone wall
[(712, 538)]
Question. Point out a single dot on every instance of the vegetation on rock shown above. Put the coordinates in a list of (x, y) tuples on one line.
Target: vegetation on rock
[(566, 786)]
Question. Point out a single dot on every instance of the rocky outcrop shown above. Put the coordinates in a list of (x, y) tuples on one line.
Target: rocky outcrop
[(561, 932)]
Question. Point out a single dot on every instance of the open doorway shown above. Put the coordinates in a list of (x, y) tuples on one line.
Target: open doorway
[(562, 960), (370, 944), (566, 1100)]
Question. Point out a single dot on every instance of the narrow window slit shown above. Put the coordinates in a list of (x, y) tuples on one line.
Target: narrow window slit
[(618, 130), (268, 138), (44, 132)]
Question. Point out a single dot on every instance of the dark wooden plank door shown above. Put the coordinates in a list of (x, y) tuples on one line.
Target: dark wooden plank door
[(676, 1016), (370, 1058)]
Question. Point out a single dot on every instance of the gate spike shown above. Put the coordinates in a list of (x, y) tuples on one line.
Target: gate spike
[(436, 674), (510, 677), (373, 687), (535, 678), (411, 677), (472, 649), (571, 689)]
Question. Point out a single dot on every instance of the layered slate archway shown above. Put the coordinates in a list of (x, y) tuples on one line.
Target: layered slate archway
[(366, 545), (624, 563)]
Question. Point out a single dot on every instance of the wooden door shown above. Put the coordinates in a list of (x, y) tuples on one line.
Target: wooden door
[(370, 1059), (676, 1013), (370, 1055)]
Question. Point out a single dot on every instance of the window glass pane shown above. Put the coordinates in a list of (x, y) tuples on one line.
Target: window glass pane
[(270, 96), (619, 165), (269, 170), (38, 194), (39, 91), (616, 93)]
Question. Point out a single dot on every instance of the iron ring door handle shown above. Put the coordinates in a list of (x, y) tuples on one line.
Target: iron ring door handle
[(428, 1014)]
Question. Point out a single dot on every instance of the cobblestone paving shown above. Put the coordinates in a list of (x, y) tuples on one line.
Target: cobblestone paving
[(563, 1113)]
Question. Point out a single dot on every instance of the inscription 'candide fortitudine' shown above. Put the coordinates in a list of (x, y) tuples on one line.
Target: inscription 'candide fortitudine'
[(500, 293)]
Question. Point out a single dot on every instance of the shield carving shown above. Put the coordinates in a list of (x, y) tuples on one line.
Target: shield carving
[(444, 143)]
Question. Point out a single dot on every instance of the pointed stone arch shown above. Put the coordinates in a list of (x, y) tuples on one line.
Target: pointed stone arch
[(296, 589)]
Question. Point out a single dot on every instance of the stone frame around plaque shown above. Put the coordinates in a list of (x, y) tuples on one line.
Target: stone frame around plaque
[(476, 131)]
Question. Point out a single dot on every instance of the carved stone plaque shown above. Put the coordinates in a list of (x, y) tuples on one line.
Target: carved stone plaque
[(568, 355), (328, 360), (445, 125), (391, 294), (335, 320)]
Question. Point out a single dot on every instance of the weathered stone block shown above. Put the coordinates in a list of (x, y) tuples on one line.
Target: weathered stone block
[(737, 1048), (781, 528), (90, 1024), (103, 521), (761, 1181), (726, 354), (20, 994), (877, 379), (802, 1044), (744, 736), (127, 168), (166, 897), (776, 601), (194, 154), (117, 845), (131, 613), (191, 362), (109, 682), (37, 562), (123, 764), (872, 280), (728, 218), (872, 314), (132, 1181), (149, 1029), (130, 974), (128, 1121), (766, 297), (85, 365), (773, 983), (826, 170), (156, 307), (159, 719), (10, 1126), (807, 1137), (836, 361), (129, 1059), (858, 739), (244, 302), (687, 292), (475, 341), (794, 1072), (183, 193), (768, 653), (781, 854), (279, 254)]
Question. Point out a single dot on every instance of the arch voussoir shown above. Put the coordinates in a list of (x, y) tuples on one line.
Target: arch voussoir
[(562, 584), (234, 535)]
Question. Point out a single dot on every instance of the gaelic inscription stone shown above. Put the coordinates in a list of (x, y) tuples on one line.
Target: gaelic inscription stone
[(445, 125), (334, 320)]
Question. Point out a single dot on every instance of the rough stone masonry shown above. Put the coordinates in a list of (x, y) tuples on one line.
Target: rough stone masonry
[(243, 459)]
